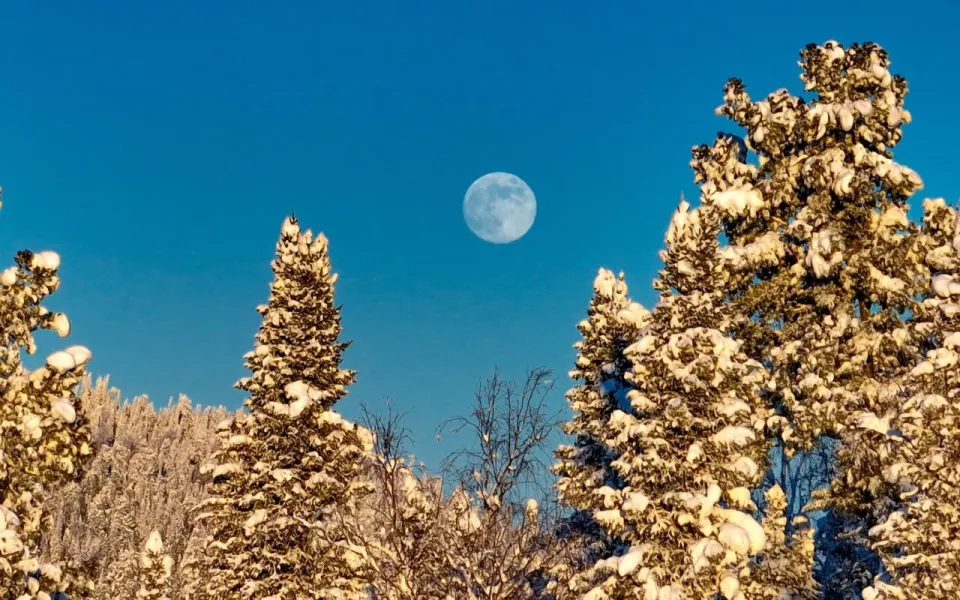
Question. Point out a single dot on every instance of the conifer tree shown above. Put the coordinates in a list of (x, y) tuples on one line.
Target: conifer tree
[(692, 443), (144, 475), (613, 322), (836, 263), (44, 439), (155, 570), (919, 445), (787, 564), (286, 473)]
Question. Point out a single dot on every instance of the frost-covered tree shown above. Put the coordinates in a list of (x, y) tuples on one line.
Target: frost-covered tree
[(496, 553), (400, 522), (823, 221), (155, 570), (613, 323), (145, 474), (500, 541), (285, 475), (402, 533), (919, 445), (787, 562), (691, 445), (504, 459), (44, 439), (820, 219)]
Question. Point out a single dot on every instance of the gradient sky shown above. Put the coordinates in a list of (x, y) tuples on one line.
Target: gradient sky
[(158, 146)]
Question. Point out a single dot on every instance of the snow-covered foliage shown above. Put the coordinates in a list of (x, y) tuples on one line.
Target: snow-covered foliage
[(833, 259), (613, 323), (44, 439), (400, 526), (145, 475), (400, 522), (496, 553), (480, 537), (285, 476), (500, 543), (831, 262), (691, 444), (918, 446), (787, 564), (156, 568)]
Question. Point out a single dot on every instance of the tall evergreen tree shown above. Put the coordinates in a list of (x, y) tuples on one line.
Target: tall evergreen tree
[(841, 267), (692, 443), (286, 474), (919, 445), (613, 323), (44, 439)]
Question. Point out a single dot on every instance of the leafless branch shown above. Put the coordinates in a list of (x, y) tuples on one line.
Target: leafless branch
[(510, 426)]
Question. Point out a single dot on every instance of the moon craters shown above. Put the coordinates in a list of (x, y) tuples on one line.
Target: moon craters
[(499, 208)]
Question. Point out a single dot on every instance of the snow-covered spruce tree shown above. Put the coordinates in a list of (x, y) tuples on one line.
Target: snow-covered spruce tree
[(837, 264), (155, 570), (285, 476), (691, 446), (919, 446), (44, 439), (613, 322), (788, 561)]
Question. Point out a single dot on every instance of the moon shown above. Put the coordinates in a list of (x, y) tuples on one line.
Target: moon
[(499, 208)]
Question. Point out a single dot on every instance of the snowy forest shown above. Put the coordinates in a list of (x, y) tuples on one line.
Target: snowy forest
[(781, 425)]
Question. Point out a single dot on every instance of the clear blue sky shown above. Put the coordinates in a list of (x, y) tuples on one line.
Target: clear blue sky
[(158, 146)]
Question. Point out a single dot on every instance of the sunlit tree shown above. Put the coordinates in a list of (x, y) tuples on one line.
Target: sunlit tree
[(285, 474)]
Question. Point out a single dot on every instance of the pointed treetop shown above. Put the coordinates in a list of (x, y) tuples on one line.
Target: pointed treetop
[(679, 223), (290, 226), (154, 542), (298, 342)]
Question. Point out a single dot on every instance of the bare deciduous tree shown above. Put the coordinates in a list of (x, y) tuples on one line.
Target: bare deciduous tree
[(509, 426), (400, 523), (501, 544)]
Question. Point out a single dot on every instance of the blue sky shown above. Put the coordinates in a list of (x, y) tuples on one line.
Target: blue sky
[(158, 146)]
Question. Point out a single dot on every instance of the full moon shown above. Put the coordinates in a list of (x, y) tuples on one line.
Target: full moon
[(499, 208)]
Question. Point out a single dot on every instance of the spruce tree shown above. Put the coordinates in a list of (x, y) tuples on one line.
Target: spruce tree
[(919, 445), (787, 563), (613, 323), (822, 217), (155, 570), (44, 439), (285, 475), (691, 445)]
